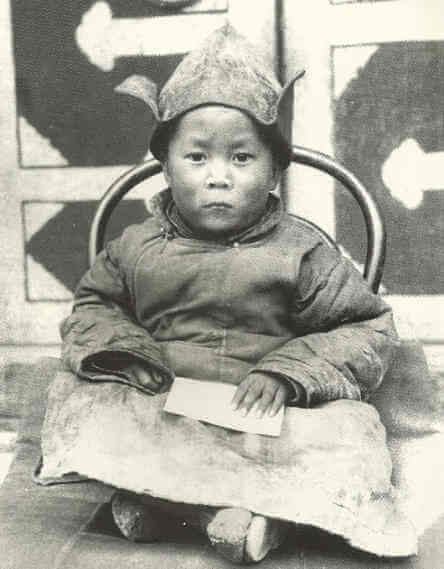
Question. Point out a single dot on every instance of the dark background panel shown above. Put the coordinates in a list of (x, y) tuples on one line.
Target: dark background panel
[(69, 100), (396, 96), (61, 245)]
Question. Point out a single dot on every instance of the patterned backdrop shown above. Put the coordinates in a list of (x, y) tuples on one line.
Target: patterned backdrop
[(372, 96)]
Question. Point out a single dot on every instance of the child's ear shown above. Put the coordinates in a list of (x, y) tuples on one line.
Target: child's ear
[(276, 173), (166, 172)]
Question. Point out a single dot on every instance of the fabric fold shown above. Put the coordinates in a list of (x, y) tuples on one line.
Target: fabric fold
[(330, 468)]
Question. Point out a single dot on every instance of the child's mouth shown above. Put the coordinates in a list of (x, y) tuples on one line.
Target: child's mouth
[(218, 205)]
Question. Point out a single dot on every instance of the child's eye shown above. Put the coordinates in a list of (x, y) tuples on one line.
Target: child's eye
[(242, 157), (196, 157)]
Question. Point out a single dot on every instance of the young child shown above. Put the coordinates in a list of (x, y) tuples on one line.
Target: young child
[(222, 284)]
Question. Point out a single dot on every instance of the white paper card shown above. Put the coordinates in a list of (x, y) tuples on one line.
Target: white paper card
[(210, 401)]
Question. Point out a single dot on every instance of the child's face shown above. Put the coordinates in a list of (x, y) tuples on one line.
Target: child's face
[(219, 170)]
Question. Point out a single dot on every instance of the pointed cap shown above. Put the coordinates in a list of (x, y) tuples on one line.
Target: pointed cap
[(225, 69)]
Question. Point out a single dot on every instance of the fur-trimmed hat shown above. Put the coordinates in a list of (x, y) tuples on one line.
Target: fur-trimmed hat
[(226, 69)]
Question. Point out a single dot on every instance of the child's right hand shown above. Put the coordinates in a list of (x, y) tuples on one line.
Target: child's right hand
[(266, 391), (144, 375)]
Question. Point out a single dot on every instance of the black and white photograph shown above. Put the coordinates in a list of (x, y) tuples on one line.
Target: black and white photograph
[(222, 284)]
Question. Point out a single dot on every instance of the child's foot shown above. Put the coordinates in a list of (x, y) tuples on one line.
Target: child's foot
[(241, 536), (135, 520), (264, 534)]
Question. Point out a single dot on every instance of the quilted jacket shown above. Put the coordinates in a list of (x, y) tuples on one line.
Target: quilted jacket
[(275, 299)]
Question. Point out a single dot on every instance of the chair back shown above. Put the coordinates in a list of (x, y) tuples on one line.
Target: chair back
[(376, 235)]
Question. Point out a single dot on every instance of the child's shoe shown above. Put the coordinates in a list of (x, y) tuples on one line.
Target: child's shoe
[(264, 534), (135, 520), (243, 537)]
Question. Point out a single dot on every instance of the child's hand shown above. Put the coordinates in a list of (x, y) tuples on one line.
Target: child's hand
[(269, 392), (144, 375)]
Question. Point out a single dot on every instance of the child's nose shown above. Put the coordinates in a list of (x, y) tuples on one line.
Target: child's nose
[(219, 176)]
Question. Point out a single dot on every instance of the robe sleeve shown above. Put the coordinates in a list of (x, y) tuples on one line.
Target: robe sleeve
[(102, 333), (344, 334)]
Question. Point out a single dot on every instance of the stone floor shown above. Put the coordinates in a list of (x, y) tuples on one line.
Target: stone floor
[(18, 354)]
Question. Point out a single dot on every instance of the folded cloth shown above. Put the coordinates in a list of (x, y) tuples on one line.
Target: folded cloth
[(330, 468)]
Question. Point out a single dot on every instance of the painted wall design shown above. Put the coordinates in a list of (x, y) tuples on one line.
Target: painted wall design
[(68, 113), (67, 135), (69, 57), (389, 129), (373, 89), (56, 243)]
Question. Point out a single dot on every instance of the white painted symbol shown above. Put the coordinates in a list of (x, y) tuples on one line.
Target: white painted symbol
[(409, 171), (43, 285), (369, 22), (347, 64), (36, 149), (103, 38)]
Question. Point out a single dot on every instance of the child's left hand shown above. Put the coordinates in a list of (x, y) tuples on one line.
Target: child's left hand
[(268, 391)]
